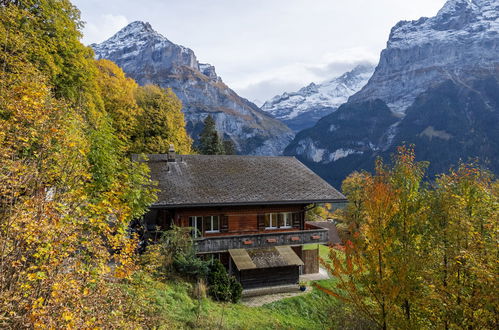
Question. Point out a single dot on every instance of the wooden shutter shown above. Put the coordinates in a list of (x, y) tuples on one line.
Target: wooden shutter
[(297, 220), (224, 223), (261, 221)]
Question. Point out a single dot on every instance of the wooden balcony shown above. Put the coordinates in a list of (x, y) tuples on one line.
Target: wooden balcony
[(216, 244)]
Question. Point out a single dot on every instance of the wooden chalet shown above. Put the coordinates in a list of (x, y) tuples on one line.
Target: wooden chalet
[(248, 211)]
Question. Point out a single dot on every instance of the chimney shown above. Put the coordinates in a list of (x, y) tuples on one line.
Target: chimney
[(171, 153)]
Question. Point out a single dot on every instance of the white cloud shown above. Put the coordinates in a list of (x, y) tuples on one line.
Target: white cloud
[(103, 27), (262, 48)]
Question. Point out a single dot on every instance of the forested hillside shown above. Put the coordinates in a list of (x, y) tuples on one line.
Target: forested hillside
[(68, 187)]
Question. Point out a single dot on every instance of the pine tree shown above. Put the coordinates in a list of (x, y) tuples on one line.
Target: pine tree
[(229, 147), (210, 142)]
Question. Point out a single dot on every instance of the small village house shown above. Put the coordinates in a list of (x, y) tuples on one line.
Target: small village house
[(247, 211)]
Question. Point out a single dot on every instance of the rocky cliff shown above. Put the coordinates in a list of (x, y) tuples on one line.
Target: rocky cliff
[(150, 58), (436, 85)]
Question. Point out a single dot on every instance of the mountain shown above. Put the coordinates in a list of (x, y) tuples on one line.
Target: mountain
[(436, 86), (302, 109), (150, 58)]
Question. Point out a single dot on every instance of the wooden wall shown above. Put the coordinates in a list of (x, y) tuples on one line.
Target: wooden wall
[(241, 219), (263, 277), (310, 259)]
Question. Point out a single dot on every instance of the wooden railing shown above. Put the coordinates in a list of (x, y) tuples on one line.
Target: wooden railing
[(217, 244)]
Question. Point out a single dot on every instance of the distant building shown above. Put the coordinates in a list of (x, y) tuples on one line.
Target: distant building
[(247, 211)]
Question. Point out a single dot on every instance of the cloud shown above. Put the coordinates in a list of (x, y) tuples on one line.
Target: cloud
[(103, 27), (262, 85), (264, 90), (335, 64)]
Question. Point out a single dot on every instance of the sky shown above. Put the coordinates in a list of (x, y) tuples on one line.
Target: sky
[(262, 48)]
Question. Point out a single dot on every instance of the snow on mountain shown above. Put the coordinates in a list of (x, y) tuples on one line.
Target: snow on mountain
[(460, 40), (150, 58), (303, 108), (436, 86)]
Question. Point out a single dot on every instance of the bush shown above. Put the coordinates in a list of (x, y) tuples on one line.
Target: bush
[(190, 265), (236, 289), (223, 287)]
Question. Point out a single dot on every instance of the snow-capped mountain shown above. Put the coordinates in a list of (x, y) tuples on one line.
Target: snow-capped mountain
[(436, 86), (461, 39), (150, 58), (302, 109)]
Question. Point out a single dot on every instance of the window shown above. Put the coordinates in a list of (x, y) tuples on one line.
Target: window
[(207, 224), (212, 224), (285, 220), (278, 220), (270, 221), (195, 223)]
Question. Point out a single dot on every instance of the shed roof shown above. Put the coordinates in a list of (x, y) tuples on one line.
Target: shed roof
[(279, 256), (202, 180)]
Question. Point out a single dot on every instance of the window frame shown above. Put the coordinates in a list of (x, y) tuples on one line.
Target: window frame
[(287, 220), (273, 222), (211, 224), (196, 232)]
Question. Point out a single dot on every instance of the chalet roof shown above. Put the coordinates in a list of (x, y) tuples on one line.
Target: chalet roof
[(202, 180), (278, 256)]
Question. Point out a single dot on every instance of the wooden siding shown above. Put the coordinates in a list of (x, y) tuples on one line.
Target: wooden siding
[(311, 261), (263, 277), (234, 220)]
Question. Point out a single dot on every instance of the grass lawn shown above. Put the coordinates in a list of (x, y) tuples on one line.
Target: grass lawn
[(170, 304)]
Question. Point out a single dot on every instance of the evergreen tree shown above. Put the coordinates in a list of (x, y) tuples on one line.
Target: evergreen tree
[(210, 142), (229, 147)]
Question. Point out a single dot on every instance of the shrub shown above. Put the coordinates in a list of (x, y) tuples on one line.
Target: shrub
[(236, 289), (223, 287), (190, 265)]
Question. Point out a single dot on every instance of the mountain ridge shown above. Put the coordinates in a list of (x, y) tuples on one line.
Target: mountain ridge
[(303, 108), (439, 59), (149, 57)]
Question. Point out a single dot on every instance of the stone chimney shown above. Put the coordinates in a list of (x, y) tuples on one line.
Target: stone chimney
[(171, 153)]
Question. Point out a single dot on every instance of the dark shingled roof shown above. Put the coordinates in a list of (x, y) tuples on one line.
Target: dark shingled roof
[(201, 180)]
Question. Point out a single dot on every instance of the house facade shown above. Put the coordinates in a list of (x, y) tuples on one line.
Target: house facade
[(246, 211)]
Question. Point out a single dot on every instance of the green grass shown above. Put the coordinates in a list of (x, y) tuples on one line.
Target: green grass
[(170, 304)]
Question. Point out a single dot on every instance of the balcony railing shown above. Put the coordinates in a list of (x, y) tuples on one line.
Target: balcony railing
[(215, 244)]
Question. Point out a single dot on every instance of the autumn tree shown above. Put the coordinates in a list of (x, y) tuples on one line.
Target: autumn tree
[(420, 256), (67, 191), (351, 217), (366, 275), (161, 122), (118, 94), (461, 264)]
